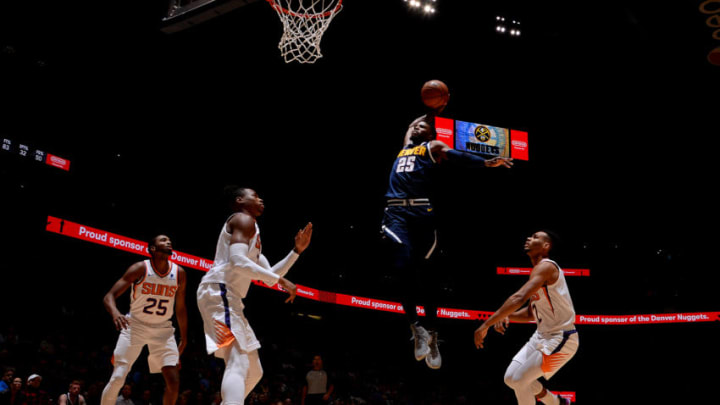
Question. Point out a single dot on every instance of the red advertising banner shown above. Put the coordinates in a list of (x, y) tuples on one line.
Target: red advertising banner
[(445, 130), (519, 145), (526, 271), (57, 161), (89, 234), (645, 319), (566, 394)]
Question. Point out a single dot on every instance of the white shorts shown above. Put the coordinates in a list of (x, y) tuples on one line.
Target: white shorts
[(159, 338), (223, 319), (556, 348)]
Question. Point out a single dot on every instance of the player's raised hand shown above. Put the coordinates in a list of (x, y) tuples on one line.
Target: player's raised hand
[(499, 161), (302, 239), (289, 287)]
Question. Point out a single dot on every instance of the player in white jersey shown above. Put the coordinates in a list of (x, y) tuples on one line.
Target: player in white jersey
[(157, 291), (554, 342), (239, 261)]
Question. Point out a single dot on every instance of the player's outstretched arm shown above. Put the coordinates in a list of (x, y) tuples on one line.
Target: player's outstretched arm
[(522, 315), (181, 309), (443, 152), (132, 275), (242, 230), (539, 276)]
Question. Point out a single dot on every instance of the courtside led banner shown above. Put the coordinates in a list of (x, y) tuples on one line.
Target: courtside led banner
[(112, 240), (486, 140), (89, 234), (513, 271)]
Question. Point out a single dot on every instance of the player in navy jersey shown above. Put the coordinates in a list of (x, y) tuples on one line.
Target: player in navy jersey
[(409, 224)]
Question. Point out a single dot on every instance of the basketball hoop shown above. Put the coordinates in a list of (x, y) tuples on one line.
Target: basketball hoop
[(304, 23)]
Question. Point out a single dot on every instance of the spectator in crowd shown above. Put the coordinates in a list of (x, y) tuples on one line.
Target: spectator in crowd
[(33, 395), (6, 380), (15, 389), (8, 396), (146, 398), (73, 396), (124, 398)]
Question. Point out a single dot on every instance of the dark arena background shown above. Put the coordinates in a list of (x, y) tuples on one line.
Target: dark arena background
[(121, 120)]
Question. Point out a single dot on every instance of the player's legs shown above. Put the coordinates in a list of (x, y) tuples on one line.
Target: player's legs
[(242, 372), (410, 237), (124, 356), (163, 358), (523, 373), (172, 384), (255, 372), (410, 248)]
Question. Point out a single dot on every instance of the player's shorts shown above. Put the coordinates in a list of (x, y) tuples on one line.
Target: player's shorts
[(411, 226), (223, 319), (160, 339), (556, 348)]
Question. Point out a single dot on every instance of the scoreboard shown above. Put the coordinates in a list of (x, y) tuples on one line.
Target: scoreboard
[(37, 155)]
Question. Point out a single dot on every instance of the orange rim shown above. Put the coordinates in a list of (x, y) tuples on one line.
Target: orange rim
[(283, 10)]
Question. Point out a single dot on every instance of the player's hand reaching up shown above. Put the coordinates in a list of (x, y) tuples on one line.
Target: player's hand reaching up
[(289, 287), (302, 239)]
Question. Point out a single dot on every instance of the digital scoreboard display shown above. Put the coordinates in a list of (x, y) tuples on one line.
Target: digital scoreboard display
[(37, 155), (486, 140)]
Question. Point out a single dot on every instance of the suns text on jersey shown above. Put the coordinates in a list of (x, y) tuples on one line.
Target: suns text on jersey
[(158, 289)]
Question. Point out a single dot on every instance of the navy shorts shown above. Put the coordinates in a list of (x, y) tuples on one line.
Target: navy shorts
[(413, 227)]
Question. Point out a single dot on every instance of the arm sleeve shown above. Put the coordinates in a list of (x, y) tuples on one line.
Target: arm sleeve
[(282, 267), (465, 159), (242, 263)]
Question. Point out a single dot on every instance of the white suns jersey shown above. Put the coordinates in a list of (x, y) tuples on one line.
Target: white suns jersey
[(221, 269), (153, 297), (552, 306)]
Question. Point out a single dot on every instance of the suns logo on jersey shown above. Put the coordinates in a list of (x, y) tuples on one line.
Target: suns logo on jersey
[(158, 289), (258, 244), (535, 297)]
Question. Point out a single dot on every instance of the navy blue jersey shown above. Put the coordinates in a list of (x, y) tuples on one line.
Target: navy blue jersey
[(410, 175)]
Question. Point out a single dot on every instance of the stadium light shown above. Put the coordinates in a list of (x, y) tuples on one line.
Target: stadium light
[(512, 27), (425, 6)]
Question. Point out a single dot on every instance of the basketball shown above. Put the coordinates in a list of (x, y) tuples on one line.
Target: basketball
[(434, 94)]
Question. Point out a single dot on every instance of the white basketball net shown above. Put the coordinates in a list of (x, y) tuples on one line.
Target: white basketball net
[(304, 23)]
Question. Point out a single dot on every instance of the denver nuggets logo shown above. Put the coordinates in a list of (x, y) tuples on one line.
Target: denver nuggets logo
[(482, 133)]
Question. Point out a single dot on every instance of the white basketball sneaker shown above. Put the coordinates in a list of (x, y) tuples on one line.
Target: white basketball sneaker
[(433, 359), (421, 337)]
